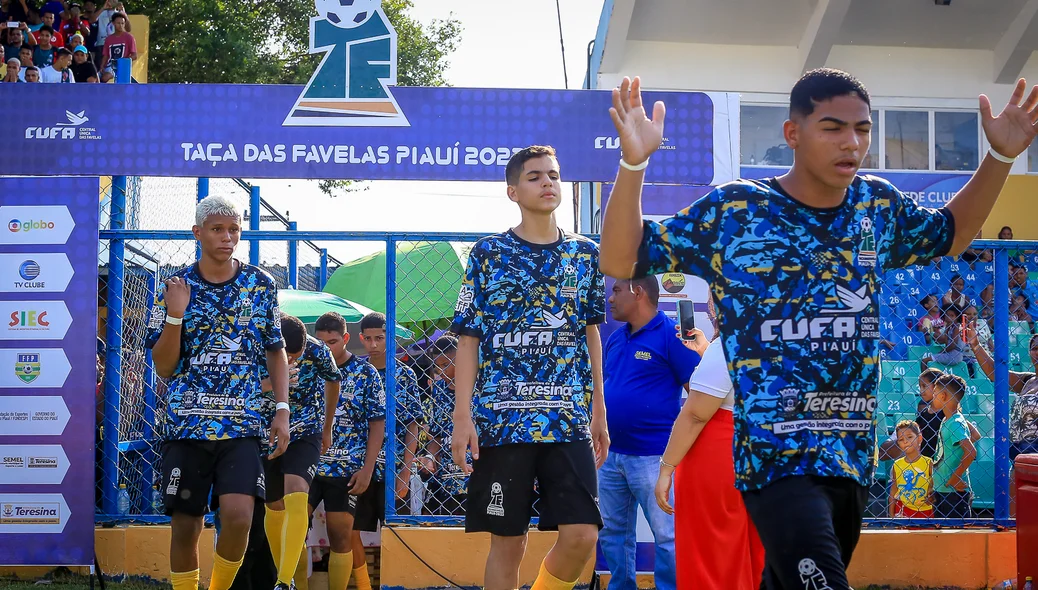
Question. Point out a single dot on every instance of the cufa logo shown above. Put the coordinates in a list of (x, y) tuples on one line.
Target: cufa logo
[(351, 86)]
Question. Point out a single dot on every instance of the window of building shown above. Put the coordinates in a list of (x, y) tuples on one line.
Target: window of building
[(761, 139), (907, 140), (956, 141), (872, 158), (1032, 157)]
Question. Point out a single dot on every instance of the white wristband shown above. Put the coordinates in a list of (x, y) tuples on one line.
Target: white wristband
[(174, 321), (281, 406), (1000, 157), (634, 167)]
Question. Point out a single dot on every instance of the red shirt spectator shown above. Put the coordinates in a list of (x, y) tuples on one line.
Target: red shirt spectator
[(118, 45), (75, 23), (56, 38)]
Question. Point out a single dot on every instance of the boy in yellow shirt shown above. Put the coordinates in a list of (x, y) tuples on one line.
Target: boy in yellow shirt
[(911, 478)]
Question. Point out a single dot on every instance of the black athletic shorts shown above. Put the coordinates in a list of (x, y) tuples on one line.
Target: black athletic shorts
[(371, 507), (300, 458), (192, 469), (953, 504), (501, 488), (335, 492), (809, 527)]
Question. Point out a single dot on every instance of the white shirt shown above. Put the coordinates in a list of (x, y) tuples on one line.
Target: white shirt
[(712, 378), (49, 75)]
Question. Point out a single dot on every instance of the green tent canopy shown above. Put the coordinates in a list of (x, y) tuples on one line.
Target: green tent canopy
[(310, 305), (428, 277)]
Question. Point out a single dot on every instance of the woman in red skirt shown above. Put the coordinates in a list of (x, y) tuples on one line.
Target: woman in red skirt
[(715, 541)]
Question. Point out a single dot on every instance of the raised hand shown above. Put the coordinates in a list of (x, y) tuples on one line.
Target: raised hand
[(1016, 126), (177, 295), (639, 135)]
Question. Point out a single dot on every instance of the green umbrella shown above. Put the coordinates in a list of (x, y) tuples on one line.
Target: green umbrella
[(310, 305), (428, 277)]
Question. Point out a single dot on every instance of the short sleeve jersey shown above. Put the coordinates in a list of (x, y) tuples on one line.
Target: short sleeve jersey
[(408, 411), (215, 391), (530, 305), (452, 479), (306, 400), (361, 400), (954, 430), (796, 289)]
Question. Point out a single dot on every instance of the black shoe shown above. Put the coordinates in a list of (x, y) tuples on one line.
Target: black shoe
[(284, 586)]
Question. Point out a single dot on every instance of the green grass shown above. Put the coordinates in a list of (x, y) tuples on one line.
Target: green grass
[(61, 579)]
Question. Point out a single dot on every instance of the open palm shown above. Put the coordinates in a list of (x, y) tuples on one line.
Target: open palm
[(639, 135), (1016, 126)]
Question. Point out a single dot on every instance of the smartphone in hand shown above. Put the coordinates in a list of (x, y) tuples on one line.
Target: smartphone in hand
[(686, 319)]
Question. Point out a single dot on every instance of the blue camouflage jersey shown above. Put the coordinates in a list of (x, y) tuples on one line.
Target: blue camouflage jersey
[(361, 400), (408, 411), (452, 479), (529, 305), (306, 400), (215, 391), (796, 291)]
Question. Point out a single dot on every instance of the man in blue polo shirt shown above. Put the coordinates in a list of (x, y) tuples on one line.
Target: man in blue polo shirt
[(646, 367)]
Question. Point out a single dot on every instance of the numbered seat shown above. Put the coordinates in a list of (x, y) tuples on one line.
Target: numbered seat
[(982, 474), (985, 424), (898, 403), (983, 403)]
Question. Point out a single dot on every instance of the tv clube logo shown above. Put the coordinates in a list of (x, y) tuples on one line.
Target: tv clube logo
[(351, 86), (17, 225)]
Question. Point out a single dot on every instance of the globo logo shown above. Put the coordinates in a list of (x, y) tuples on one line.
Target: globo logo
[(17, 225)]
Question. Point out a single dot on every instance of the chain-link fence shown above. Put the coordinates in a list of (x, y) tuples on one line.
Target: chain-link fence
[(949, 317)]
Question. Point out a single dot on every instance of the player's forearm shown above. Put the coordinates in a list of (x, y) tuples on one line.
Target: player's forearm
[(376, 435), (971, 206), (331, 401), (277, 367), (622, 225), (166, 353), (466, 368), (594, 349)]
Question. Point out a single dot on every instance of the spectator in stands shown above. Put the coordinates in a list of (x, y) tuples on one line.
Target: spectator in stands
[(56, 38), (13, 69), (16, 38), (59, 72), (102, 17), (956, 294), (3, 64), (55, 6), (987, 304), (82, 68), (74, 23), (953, 497), (74, 42), (43, 54), (954, 346), (932, 321), (17, 10), (118, 45), (981, 327), (1018, 309), (33, 20), (971, 256), (1006, 233), (32, 74), (911, 476), (1019, 282), (25, 57)]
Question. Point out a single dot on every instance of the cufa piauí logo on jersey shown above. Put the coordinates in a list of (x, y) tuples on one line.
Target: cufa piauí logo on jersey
[(27, 366), (351, 86)]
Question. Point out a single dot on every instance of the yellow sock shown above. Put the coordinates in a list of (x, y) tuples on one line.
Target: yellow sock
[(296, 525), (360, 577), (546, 581), (273, 525), (340, 565), (184, 580), (223, 572), (301, 579)]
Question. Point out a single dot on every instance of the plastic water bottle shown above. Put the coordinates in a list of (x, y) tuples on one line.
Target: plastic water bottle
[(123, 504), (417, 489), (158, 505)]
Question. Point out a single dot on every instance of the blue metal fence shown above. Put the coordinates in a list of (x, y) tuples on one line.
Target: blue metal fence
[(991, 473)]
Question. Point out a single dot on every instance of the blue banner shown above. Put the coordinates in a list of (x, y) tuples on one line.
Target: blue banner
[(256, 131), (48, 368)]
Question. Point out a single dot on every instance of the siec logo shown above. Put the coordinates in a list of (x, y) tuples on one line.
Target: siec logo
[(17, 225)]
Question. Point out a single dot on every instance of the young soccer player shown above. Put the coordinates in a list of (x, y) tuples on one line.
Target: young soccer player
[(953, 497), (347, 468), (804, 252), (313, 394), (529, 403), (911, 477), (450, 482), (409, 414), (214, 324)]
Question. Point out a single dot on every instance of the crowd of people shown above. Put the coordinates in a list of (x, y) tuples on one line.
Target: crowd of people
[(63, 41)]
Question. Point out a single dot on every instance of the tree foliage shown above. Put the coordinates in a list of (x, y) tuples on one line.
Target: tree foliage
[(254, 42)]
